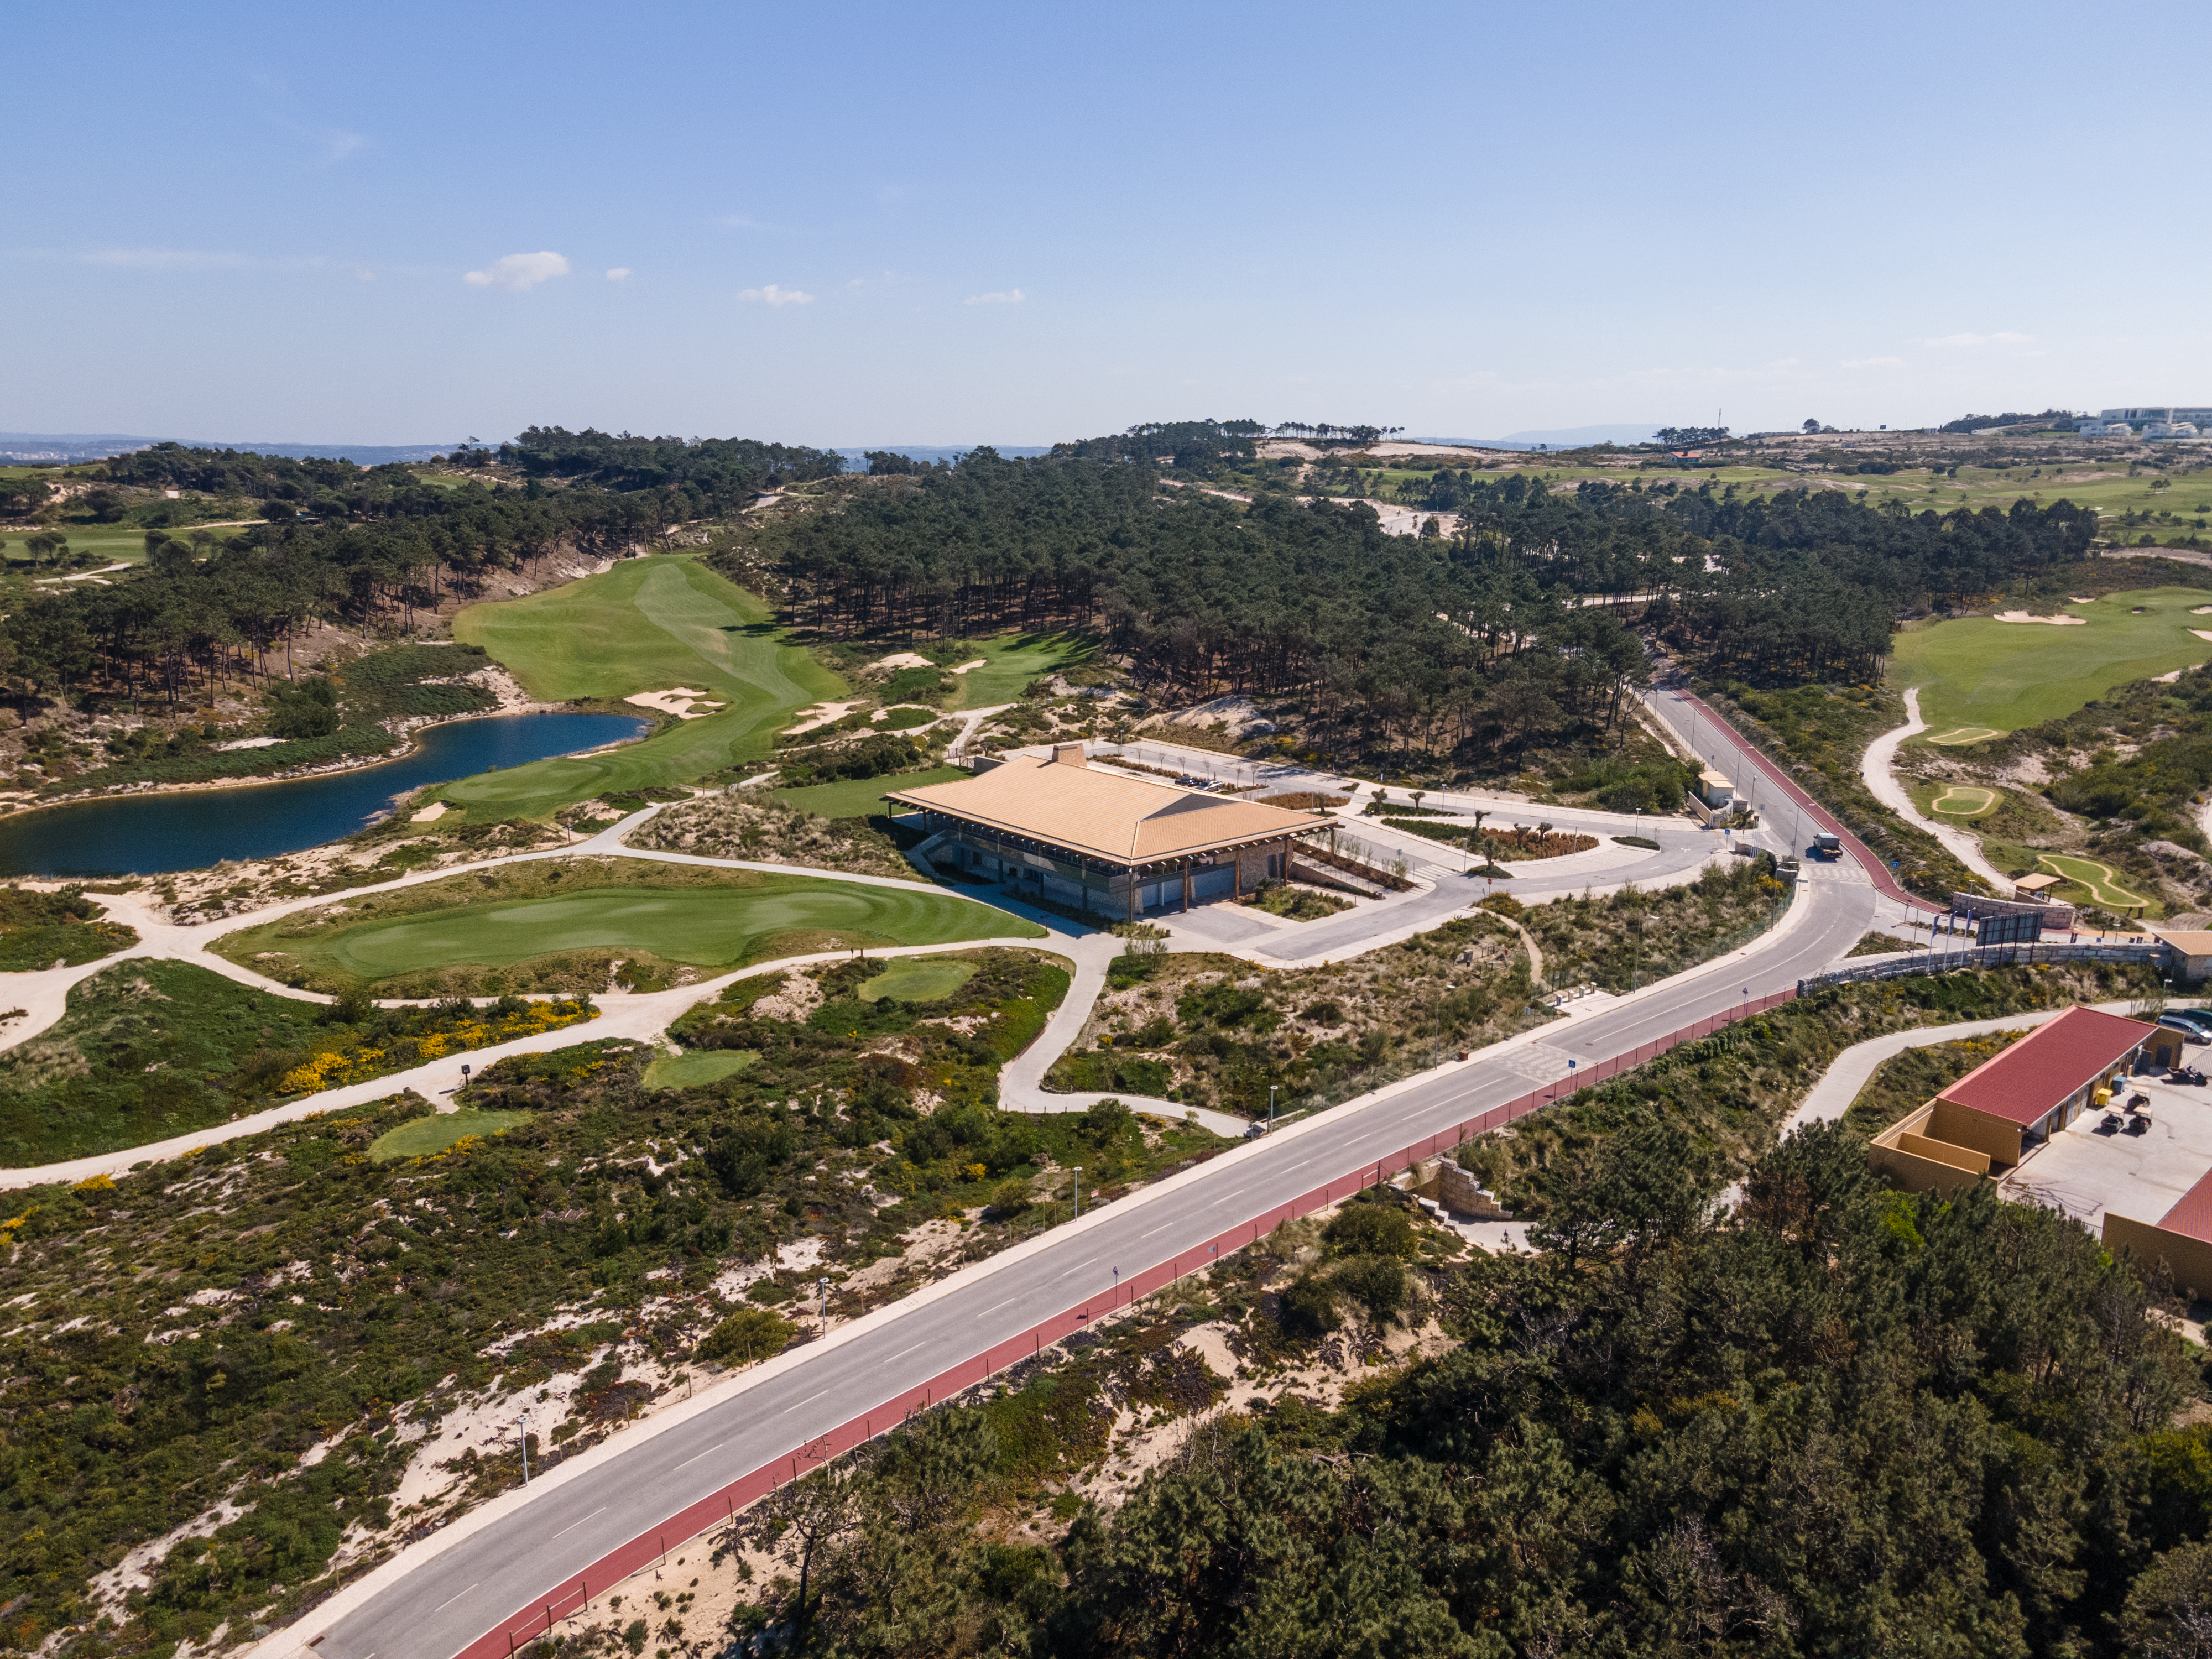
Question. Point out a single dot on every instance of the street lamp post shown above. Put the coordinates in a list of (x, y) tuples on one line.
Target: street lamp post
[(1079, 1192), (1271, 1106), (1436, 1021)]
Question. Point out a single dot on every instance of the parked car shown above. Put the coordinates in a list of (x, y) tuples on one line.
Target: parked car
[(2191, 1031), (2199, 1017)]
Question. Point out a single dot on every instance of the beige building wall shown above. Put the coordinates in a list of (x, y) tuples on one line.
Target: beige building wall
[(1964, 1127), (2191, 1259)]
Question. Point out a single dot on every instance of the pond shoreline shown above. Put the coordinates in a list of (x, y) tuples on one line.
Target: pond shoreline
[(407, 731)]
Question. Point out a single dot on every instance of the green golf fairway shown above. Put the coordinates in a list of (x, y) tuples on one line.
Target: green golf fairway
[(695, 1067), (1979, 673), (425, 1135), (1013, 660), (862, 798), (706, 928), (647, 625), (919, 978)]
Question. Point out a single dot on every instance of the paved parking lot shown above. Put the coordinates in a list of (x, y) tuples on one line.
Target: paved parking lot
[(2090, 1167)]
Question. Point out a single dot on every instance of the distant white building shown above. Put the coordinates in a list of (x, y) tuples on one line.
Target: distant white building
[(2173, 421)]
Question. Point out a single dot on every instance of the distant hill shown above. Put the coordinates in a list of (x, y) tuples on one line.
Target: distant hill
[(18, 447)]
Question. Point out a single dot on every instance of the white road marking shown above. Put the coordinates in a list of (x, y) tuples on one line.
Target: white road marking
[(689, 1461), (995, 1306), (1079, 1267), (903, 1352), (602, 1510), (450, 1600), (1162, 1228), (809, 1400)]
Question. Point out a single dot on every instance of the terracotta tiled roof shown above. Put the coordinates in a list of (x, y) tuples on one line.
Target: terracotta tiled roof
[(1107, 815), (2047, 1064), (2192, 1216)]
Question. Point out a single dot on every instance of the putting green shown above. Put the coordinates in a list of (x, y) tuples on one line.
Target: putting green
[(713, 927), (1963, 800), (426, 1135), (646, 625), (697, 1066), (919, 978), (1958, 735), (1979, 676), (2103, 887)]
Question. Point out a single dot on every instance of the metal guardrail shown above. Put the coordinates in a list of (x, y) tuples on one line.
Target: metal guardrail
[(1982, 955)]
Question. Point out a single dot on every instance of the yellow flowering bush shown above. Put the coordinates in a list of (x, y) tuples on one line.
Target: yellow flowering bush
[(451, 1032)]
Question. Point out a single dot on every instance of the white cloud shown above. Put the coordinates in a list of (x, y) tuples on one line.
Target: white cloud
[(1012, 296), (518, 272), (1979, 339), (1873, 363), (772, 296), (619, 274)]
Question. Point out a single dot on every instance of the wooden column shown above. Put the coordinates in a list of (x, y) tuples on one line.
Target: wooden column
[(1186, 884)]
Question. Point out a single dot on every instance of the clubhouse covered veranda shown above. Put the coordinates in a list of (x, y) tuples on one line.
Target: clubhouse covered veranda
[(1104, 841)]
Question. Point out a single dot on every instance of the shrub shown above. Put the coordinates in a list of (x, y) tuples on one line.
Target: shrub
[(1377, 1283), (1309, 1305), (1371, 1229), (746, 1335)]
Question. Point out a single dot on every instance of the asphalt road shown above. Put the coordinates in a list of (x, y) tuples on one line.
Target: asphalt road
[(461, 1594)]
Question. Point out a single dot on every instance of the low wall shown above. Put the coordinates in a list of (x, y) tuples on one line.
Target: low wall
[(2189, 1259), (1917, 1174)]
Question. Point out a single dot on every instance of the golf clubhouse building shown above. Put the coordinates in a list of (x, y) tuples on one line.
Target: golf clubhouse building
[(1104, 841)]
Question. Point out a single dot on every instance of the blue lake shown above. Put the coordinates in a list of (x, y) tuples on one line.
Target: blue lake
[(149, 834)]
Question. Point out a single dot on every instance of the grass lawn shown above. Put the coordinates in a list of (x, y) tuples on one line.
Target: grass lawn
[(427, 1136), (647, 625), (1954, 800), (695, 1066), (1015, 659), (2097, 879), (918, 979), (862, 798), (711, 927), (1979, 673)]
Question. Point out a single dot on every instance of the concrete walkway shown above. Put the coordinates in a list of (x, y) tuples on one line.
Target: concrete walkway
[(1849, 1071), (1875, 768)]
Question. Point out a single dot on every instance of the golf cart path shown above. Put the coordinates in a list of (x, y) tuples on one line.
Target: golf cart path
[(1848, 1072), (1882, 783)]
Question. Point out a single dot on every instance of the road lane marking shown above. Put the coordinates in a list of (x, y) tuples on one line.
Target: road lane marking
[(450, 1600), (903, 1352), (1078, 1267), (809, 1400), (993, 1309), (573, 1525), (1162, 1228), (689, 1461)]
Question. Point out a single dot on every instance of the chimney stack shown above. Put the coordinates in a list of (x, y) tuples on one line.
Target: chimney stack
[(1067, 754)]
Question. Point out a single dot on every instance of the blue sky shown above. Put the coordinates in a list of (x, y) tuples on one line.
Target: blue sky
[(399, 223)]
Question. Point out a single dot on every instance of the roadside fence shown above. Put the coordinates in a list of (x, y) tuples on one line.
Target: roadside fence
[(573, 1593)]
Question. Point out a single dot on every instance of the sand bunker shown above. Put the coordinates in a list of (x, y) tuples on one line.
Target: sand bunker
[(820, 715), (680, 701), (2202, 634), (2201, 611), (2055, 622), (431, 814), (2078, 599), (965, 666), (902, 660)]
